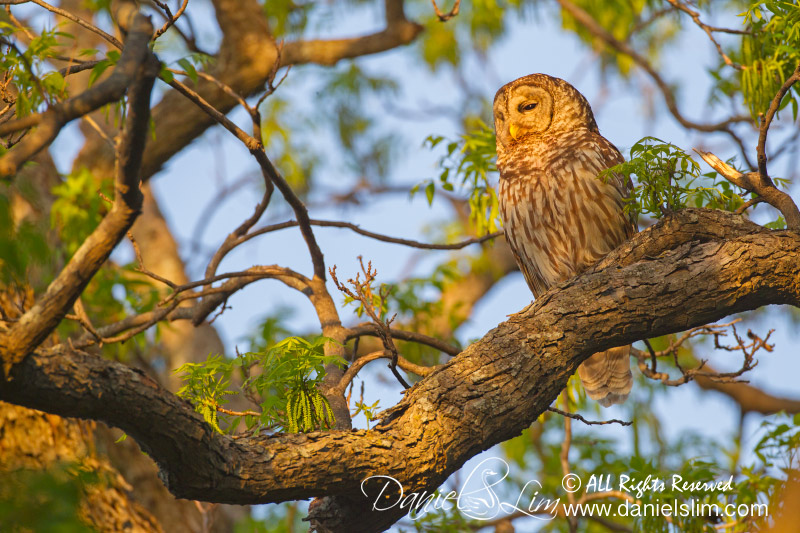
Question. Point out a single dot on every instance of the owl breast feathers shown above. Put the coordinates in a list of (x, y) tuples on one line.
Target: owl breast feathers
[(558, 217)]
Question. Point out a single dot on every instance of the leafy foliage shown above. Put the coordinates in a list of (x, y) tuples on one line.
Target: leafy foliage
[(285, 383), (369, 410), (21, 244), (770, 54), (112, 56), (469, 163), (78, 207), (35, 86), (667, 179)]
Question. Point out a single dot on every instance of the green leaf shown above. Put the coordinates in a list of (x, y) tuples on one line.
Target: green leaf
[(189, 68)]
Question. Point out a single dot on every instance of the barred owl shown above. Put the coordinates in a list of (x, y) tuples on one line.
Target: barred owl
[(558, 217)]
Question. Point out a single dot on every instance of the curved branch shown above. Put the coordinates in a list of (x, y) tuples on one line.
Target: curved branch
[(51, 121), (362, 361), (666, 279), (372, 235), (766, 120), (410, 336), (399, 31), (758, 183), (599, 31)]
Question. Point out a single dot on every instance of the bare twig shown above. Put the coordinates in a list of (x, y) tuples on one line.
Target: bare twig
[(172, 19), (444, 17), (373, 235), (83, 318), (717, 331), (78, 67), (362, 361), (256, 272), (257, 149), (77, 20), (235, 238), (653, 356), (576, 416), (410, 336), (748, 204), (709, 31), (237, 413), (141, 268), (362, 292)]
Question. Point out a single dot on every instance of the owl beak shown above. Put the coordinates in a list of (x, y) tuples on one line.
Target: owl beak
[(513, 129)]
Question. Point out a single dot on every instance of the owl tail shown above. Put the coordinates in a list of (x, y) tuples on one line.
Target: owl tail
[(606, 376)]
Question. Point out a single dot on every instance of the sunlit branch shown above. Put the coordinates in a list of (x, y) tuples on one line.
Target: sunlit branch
[(74, 18), (39, 321), (709, 31), (377, 236), (399, 31), (756, 183), (410, 336), (171, 19), (359, 363)]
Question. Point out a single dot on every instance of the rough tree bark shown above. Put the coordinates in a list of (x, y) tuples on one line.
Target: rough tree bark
[(694, 267)]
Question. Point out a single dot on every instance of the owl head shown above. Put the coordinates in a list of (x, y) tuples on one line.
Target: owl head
[(537, 104)]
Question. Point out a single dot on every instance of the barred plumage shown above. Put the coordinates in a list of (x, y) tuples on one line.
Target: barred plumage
[(558, 217)]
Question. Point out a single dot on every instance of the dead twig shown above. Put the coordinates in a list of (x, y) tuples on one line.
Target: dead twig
[(710, 32), (717, 331), (362, 292)]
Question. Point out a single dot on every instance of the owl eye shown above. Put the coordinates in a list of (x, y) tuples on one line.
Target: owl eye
[(526, 107)]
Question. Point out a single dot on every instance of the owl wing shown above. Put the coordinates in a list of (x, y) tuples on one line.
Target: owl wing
[(609, 157), (531, 273)]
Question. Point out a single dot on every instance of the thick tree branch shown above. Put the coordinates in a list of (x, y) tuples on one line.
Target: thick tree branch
[(39, 321), (664, 280)]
